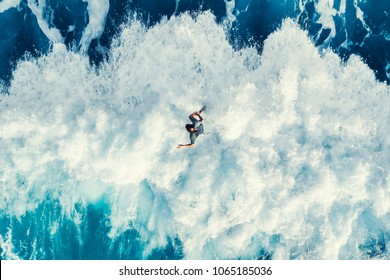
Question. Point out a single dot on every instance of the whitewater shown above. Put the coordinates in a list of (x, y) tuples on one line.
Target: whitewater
[(295, 165)]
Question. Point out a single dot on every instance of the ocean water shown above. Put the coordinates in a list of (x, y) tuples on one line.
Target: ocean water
[(95, 96)]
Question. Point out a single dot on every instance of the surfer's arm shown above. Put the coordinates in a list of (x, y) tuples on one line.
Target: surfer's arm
[(192, 116), (180, 146)]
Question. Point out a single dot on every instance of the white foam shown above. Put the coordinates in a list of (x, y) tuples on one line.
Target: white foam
[(290, 166), (97, 12), (38, 7), (230, 17), (8, 4), (327, 12), (7, 247)]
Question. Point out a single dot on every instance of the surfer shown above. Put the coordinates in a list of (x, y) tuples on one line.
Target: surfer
[(195, 129)]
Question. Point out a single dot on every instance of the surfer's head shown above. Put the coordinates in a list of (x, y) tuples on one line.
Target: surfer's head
[(190, 128)]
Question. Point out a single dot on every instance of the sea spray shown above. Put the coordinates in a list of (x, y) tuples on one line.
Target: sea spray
[(295, 166)]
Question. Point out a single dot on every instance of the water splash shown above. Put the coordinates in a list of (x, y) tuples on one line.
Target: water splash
[(295, 166)]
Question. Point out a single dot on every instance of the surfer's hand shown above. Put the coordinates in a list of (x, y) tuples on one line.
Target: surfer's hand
[(180, 146)]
